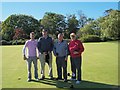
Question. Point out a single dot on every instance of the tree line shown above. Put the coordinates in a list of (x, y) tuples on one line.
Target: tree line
[(18, 26)]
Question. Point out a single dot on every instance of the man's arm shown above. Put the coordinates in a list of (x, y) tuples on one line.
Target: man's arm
[(24, 50), (81, 47), (39, 45), (66, 49), (52, 44), (54, 49)]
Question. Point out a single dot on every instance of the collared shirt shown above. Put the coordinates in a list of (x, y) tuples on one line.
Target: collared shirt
[(32, 48), (60, 48)]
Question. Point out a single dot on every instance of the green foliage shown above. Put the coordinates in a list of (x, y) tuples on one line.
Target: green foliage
[(82, 19), (107, 27), (13, 42), (90, 29), (24, 22), (0, 26), (4, 42), (55, 23), (72, 25), (90, 38)]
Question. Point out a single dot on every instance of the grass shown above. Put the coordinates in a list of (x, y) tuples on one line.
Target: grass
[(99, 68)]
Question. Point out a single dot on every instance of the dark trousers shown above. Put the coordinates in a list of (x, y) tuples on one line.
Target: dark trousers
[(76, 65), (61, 63)]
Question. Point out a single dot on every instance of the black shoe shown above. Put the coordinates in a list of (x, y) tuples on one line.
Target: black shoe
[(43, 77), (65, 80), (58, 78)]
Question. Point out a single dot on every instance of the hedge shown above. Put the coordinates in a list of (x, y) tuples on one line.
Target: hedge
[(91, 38)]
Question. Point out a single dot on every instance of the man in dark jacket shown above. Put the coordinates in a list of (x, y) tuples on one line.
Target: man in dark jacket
[(45, 47)]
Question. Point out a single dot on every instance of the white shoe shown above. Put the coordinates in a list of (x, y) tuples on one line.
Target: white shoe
[(37, 79), (72, 79), (78, 82)]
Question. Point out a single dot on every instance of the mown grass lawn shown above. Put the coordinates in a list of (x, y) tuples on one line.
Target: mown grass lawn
[(99, 68)]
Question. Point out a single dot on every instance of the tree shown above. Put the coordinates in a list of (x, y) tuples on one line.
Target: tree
[(91, 28), (19, 34), (109, 24), (82, 19), (53, 22), (0, 25), (72, 24), (104, 27), (25, 22)]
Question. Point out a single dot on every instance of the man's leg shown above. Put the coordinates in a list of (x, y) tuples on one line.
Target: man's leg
[(42, 62), (73, 68), (59, 69), (78, 64), (64, 65), (35, 67), (50, 65), (29, 62)]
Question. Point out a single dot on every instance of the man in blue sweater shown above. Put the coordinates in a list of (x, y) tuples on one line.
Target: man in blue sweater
[(60, 50), (45, 47)]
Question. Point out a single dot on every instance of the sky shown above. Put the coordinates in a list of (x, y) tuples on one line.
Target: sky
[(38, 9)]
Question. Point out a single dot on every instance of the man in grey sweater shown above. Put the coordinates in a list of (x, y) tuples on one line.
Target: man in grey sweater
[(60, 50)]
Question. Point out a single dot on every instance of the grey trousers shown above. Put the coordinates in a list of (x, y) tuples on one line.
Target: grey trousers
[(29, 64), (42, 62), (61, 63), (76, 65)]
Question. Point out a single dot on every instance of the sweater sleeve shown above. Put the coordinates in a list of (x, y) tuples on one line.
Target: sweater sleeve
[(66, 47), (39, 45), (24, 48), (54, 49)]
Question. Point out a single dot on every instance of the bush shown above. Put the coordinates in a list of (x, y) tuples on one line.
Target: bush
[(18, 42), (90, 38), (4, 42), (104, 39), (13, 42)]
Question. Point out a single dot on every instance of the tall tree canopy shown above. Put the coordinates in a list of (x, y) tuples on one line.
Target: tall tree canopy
[(24, 22), (107, 26), (53, 22), (110, 24)]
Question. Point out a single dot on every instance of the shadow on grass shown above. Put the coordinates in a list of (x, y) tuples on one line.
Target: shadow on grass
[(72, 84)]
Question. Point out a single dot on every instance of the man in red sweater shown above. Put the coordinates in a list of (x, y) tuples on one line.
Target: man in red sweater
[(76, 48)]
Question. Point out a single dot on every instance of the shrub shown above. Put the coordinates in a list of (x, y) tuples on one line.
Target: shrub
[(90, 38), (18, 42), (104, 39), (4, 42)]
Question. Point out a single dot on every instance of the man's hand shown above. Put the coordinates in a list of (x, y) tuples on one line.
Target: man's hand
[(75, 52), (25, 58), (44, 53), (66, 58), (37, 57)]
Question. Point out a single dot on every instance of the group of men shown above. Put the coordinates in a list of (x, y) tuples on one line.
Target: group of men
[(61, 49)]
